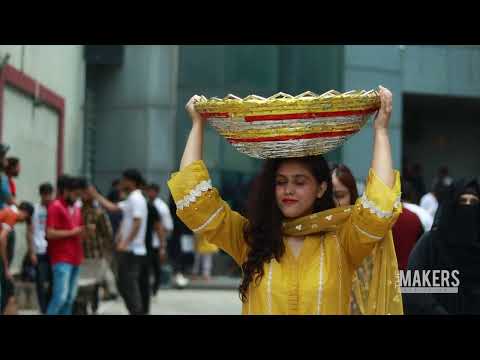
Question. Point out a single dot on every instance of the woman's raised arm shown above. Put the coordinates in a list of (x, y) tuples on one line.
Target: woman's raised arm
[(382, 162), (194, 147)]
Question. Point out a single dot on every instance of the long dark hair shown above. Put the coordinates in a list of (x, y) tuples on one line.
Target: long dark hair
[(264, 232)]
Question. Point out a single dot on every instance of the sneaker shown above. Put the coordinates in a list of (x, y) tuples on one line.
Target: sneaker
[(181, 281)]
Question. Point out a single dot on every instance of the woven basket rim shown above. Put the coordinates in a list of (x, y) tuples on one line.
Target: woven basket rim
[(281, 96), (329, 101), (269, 127)]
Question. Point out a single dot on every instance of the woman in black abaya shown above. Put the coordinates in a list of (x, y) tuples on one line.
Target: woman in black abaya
[(452, 244)]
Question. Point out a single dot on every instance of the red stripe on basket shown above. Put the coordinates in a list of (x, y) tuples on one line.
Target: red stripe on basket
[(295, 137), (214, 115), (308, 115)]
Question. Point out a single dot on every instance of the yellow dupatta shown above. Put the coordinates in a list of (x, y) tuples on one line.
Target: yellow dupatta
[(384, 296)]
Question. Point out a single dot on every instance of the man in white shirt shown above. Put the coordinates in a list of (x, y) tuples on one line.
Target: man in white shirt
[(130, 241), (159, 247), (425, 218), (431, 200), (409, 194), (37, 247)]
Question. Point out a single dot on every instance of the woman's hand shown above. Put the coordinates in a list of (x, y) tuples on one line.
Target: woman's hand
[(33, 258), (122, 246), (383, 117), (162, 254), (78, 231), (8, 275), (91, 228), (93, 191), (190, 107)]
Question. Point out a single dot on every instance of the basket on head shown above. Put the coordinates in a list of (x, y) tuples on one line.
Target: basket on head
[(284, 126)]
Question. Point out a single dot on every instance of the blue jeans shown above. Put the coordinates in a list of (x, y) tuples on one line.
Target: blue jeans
[(65, 285)]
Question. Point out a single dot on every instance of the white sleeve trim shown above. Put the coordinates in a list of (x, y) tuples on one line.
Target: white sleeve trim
[(368, 234), (204, 186), (210, 219), (367, 204)]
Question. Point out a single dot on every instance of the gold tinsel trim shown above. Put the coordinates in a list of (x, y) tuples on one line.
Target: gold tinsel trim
[(282, 103)]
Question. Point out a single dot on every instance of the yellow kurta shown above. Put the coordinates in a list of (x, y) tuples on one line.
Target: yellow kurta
[(319, 281)]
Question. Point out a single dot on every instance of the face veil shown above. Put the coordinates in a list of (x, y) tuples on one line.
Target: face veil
[(458, 245)]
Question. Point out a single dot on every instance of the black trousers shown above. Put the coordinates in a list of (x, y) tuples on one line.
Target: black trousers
[(145, 290), (155, 267), (131, 277), (11, 247), (7, 289), (43, 282), (180, 261), (7, 286)]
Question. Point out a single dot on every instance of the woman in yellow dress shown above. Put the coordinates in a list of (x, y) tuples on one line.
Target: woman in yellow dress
[(298, 252)]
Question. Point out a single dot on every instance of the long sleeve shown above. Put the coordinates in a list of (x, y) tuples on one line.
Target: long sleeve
[(200, 207), (373, 215)]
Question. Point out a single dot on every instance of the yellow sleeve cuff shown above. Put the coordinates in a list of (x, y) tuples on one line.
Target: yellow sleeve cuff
[(380, 198), (192, 177)]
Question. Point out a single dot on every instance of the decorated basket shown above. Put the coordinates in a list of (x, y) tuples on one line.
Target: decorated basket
[(289, 126)]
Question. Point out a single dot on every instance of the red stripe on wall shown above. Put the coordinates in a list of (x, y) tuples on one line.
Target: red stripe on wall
[(20, 81)]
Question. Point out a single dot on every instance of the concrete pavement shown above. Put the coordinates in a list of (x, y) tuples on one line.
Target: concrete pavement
[(184, 302), (178, 302)]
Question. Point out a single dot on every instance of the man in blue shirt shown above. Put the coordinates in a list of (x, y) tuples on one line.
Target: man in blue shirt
[(5, 195)]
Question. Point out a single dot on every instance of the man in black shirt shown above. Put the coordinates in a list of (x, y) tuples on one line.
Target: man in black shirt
[(154, 224)]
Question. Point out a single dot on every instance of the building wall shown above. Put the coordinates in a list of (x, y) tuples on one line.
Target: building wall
[(32, 131), (414, 70), (218, 70), (442, 70), (134, 114), (442, 131), (443, 83), (366, 67), (62, 69)]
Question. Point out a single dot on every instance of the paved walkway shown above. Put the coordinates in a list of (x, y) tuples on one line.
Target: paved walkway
[(184, 302), (179, 302)]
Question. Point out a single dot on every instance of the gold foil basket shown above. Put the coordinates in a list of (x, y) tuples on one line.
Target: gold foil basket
[(284, 126)]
